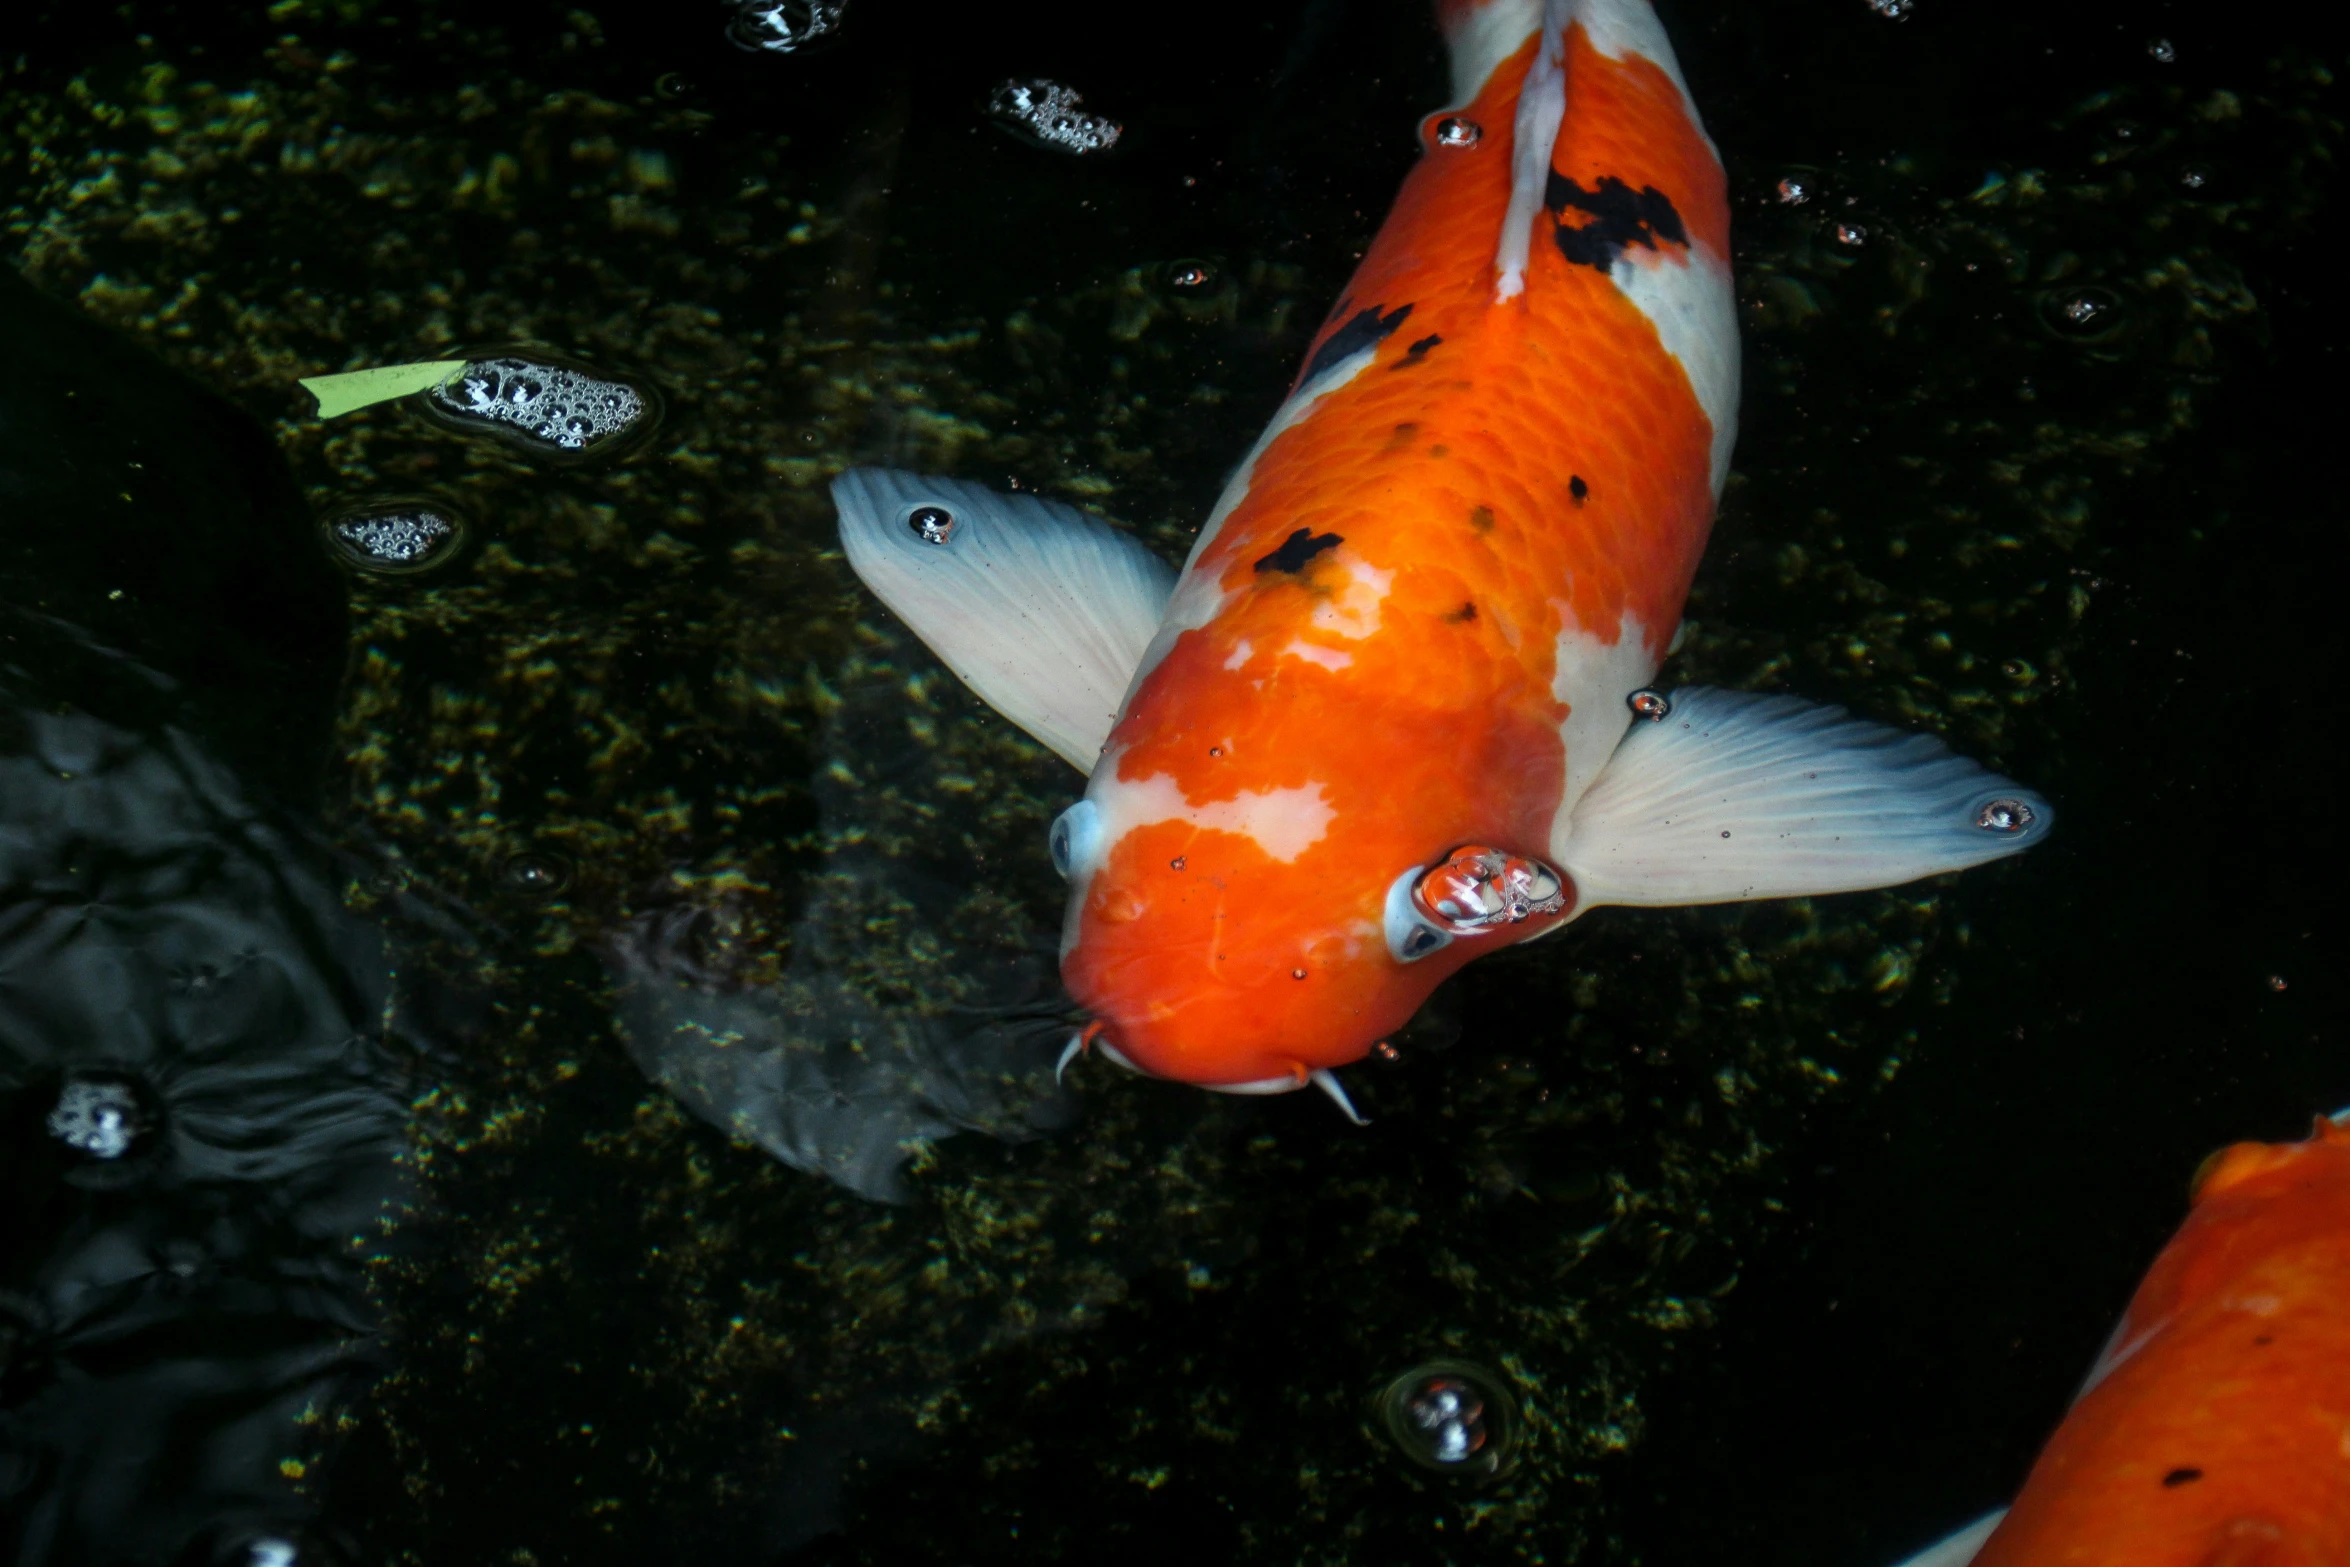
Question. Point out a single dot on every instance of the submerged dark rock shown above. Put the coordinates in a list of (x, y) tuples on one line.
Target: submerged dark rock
[(150, 523), (200, 1119), (197, 1110)]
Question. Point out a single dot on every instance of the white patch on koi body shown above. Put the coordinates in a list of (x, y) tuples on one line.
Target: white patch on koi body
[(1352, 610), (1282, 822), (1487, 35), (1542, 104), (1240, 654), (1328, 658), (1688, 299), (1595, 679)]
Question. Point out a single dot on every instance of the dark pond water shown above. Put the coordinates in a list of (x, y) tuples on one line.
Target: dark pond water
[(545, 1055)]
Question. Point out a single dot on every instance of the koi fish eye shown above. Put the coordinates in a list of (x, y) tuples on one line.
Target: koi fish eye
[(1411, 934), (1076, 839)]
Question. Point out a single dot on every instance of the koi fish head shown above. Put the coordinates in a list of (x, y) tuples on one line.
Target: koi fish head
[(1244, 945)]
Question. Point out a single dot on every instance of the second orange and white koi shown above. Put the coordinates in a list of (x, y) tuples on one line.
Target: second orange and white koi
[(2214, 1430)]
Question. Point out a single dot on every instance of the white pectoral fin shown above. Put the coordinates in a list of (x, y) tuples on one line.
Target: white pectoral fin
[(1961, 1547), (1734, 796), (1040, 608)]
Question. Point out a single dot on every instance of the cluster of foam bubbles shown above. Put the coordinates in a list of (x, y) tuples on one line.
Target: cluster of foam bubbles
[(401, 538), (1046, 114), (98, 1116), (782, 26), (552, 405)]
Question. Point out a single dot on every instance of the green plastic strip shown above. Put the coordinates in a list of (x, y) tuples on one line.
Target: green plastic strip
[(355, 389)]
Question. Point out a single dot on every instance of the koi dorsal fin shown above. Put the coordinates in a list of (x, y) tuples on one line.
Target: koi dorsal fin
[(1733, 796), (1040, 608)]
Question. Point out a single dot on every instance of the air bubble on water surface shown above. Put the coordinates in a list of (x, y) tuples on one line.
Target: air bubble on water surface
[(2083, 309), (1451, 1416), (782, 26), (1851, 234), (100, 1116), (1190, 274), (1650, 704), (1457, 131), (551, 407), (394, 535), (537, 873), (2162, 50), (242, 1544), (1045, 114), (1794, 192), (2083, 313), (931, 524), (2005, 815), (1476, 888)]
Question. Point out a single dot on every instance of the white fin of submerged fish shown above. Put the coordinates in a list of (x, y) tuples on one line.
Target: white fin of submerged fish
[(1327, 1081), (1961, 1547), (1041, 609), (1735, 796)]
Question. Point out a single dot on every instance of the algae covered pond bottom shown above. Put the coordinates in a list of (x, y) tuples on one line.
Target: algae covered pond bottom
[(528, 1008)]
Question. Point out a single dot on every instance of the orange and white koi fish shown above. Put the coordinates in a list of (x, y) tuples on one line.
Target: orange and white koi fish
[(2214, 1430), (1379, 723)]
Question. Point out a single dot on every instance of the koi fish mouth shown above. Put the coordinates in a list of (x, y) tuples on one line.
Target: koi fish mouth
[(1095, 1036)]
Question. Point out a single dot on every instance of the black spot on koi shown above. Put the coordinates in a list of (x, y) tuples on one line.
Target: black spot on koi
[(1299, 548), (1366, 330), (1417, 352), (1594, 226)]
